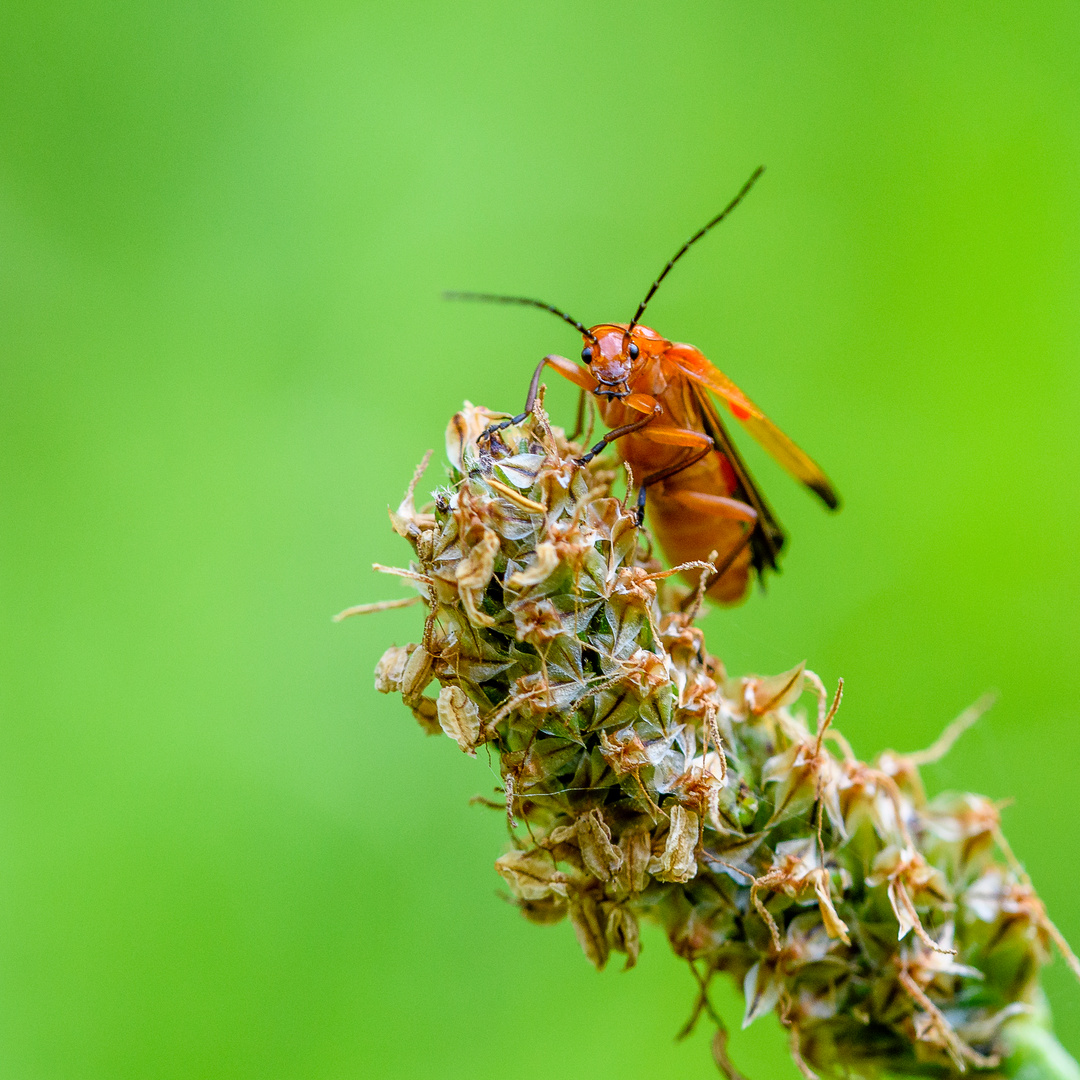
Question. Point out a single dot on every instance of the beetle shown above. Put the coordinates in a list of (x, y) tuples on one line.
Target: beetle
[(653, 395)]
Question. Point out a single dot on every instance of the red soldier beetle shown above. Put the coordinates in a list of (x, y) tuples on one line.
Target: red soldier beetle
[(654, 396)]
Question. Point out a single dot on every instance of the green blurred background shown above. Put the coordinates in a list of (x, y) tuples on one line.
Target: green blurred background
[(224, 227)]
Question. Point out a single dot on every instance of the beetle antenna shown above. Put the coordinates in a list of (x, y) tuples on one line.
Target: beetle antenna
[(492, 298), (743, 192)]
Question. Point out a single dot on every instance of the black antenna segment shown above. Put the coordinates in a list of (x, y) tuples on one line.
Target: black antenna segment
[(492, 298), (743, 192)]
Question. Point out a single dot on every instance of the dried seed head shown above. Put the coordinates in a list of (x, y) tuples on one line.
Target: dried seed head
[(891, 934)]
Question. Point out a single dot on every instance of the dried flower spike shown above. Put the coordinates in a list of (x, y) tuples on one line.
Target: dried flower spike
[(890, 933)]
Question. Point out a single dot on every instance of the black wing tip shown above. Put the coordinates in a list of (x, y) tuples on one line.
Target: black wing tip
[(766, 543), (826, 494)]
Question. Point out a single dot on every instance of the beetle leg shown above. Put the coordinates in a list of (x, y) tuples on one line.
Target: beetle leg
[(663, 474), (719, 506), (618, 433), (670, 436), (693, 599), (579, 427), (676, 436), (530, 403), (567, 368)]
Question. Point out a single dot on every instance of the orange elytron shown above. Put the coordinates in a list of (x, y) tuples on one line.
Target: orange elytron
[(653, 395)]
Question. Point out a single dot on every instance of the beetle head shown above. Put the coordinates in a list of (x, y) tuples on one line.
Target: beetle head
[(613, 352)]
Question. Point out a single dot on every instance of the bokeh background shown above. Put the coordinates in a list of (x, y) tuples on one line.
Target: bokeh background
[(224, 228)]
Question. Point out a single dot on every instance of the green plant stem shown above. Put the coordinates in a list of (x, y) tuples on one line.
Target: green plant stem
[(1035, 1054)]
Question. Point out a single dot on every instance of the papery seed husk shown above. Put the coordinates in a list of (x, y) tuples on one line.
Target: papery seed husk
[(589, 925), (677, 862), (531, 876), (635, 845), (417, 673), (390, 669), (622, 932), (459, 718), (601, 858)]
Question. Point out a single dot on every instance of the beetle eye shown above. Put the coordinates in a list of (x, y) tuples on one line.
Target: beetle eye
[(586, 354), (632, 352)]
